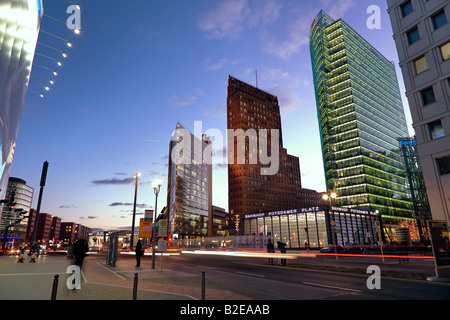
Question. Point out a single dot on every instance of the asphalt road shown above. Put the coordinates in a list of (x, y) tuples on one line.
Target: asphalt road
[(283, 282)]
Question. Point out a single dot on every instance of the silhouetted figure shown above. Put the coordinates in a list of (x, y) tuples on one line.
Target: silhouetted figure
[(139, 253), (80, 249), (282, 248), (270, 249)]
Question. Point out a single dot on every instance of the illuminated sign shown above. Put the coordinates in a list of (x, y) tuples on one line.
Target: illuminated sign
[(408, 142)]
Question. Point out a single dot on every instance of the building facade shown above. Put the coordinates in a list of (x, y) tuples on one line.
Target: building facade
[(19, 196), (19, 28), (315, 227), (189, 187), (253, 116), (421, 31), (361, 117)]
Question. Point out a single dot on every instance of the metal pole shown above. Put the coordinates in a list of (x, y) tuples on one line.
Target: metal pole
[(55, 286), (135, 286), (134, 212), (154, 229), (43, 178), (203, 285)]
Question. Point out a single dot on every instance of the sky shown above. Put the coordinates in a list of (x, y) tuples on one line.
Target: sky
[(139, 67)]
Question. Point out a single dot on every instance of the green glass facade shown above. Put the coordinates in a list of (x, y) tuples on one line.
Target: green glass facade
[(360, 116)]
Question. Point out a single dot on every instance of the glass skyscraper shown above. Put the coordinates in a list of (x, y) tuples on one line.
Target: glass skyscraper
[(361, 117)]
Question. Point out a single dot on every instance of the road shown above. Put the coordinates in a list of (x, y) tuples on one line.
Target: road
[(283, 282)]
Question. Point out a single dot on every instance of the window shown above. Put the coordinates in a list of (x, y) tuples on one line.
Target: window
[(445, 51), (406, 8), (444, 165), (436, 129), (420, 65), (428, 96), (439, 19), (413, 35)]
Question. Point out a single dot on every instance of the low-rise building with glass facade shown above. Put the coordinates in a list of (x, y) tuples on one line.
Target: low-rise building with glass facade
[(315, 227)]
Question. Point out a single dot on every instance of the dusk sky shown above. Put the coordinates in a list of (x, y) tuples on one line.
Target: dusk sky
[(139, 67)]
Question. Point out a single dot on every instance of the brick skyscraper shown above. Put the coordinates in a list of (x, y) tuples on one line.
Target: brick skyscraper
[(250, 191)]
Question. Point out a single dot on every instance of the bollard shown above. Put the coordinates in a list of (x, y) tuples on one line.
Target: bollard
[(55, 286), (135, 286), (203, 285)]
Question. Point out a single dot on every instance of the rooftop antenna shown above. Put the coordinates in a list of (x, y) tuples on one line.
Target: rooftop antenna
[(256, 72)]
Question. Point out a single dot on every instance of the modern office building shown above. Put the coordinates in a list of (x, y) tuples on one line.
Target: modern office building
[(253, 118), (189, 189), (19, 29), (361, 117), (421, 31), (19, 196)]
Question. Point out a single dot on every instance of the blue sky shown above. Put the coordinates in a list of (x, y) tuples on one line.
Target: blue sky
[(138, 69)]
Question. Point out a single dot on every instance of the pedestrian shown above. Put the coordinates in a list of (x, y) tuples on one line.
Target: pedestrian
[(80, 249), (21, 253), (139, 253), (282, 248), (34, 249), (270, 249)]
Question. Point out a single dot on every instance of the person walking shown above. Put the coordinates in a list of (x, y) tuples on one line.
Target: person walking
[(80, 249), (270, 249), (139, 253), (282, 248)]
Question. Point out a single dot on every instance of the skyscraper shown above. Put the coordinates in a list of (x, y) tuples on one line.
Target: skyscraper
[(19, 29), (421, 31), (360, 116), (189, 189), (255, 114)]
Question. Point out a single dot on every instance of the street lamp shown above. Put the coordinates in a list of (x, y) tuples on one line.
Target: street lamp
[(134, 210), (329, 198), (156, 184)]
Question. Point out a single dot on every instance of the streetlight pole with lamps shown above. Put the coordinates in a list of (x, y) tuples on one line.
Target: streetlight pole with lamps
[(329, 198), (137, 175), (156, 184)]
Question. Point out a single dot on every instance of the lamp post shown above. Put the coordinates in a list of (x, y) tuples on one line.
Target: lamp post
[(134, 210), (156, 184), (329, 200)]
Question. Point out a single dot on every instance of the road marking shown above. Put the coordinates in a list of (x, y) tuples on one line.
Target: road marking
[(330, 287), (251, 274), (210, 268)]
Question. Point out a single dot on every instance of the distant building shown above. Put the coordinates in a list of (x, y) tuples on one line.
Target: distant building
[(20, 196), (189, 188), (421, 31), (68, 233), (220, 222)]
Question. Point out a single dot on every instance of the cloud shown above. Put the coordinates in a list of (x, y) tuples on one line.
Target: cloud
[(89, 217), (287, 98), (175, 101), (230, 18), (138, 205), (67, 206), (214, 66), (299, 28), (114, 181)]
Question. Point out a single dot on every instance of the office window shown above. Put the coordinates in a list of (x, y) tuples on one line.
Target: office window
[(439, 19), (444, 165), (428, 96), (406, 8), (445, 51), (413, 35), (436, 129), (420, 64)]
